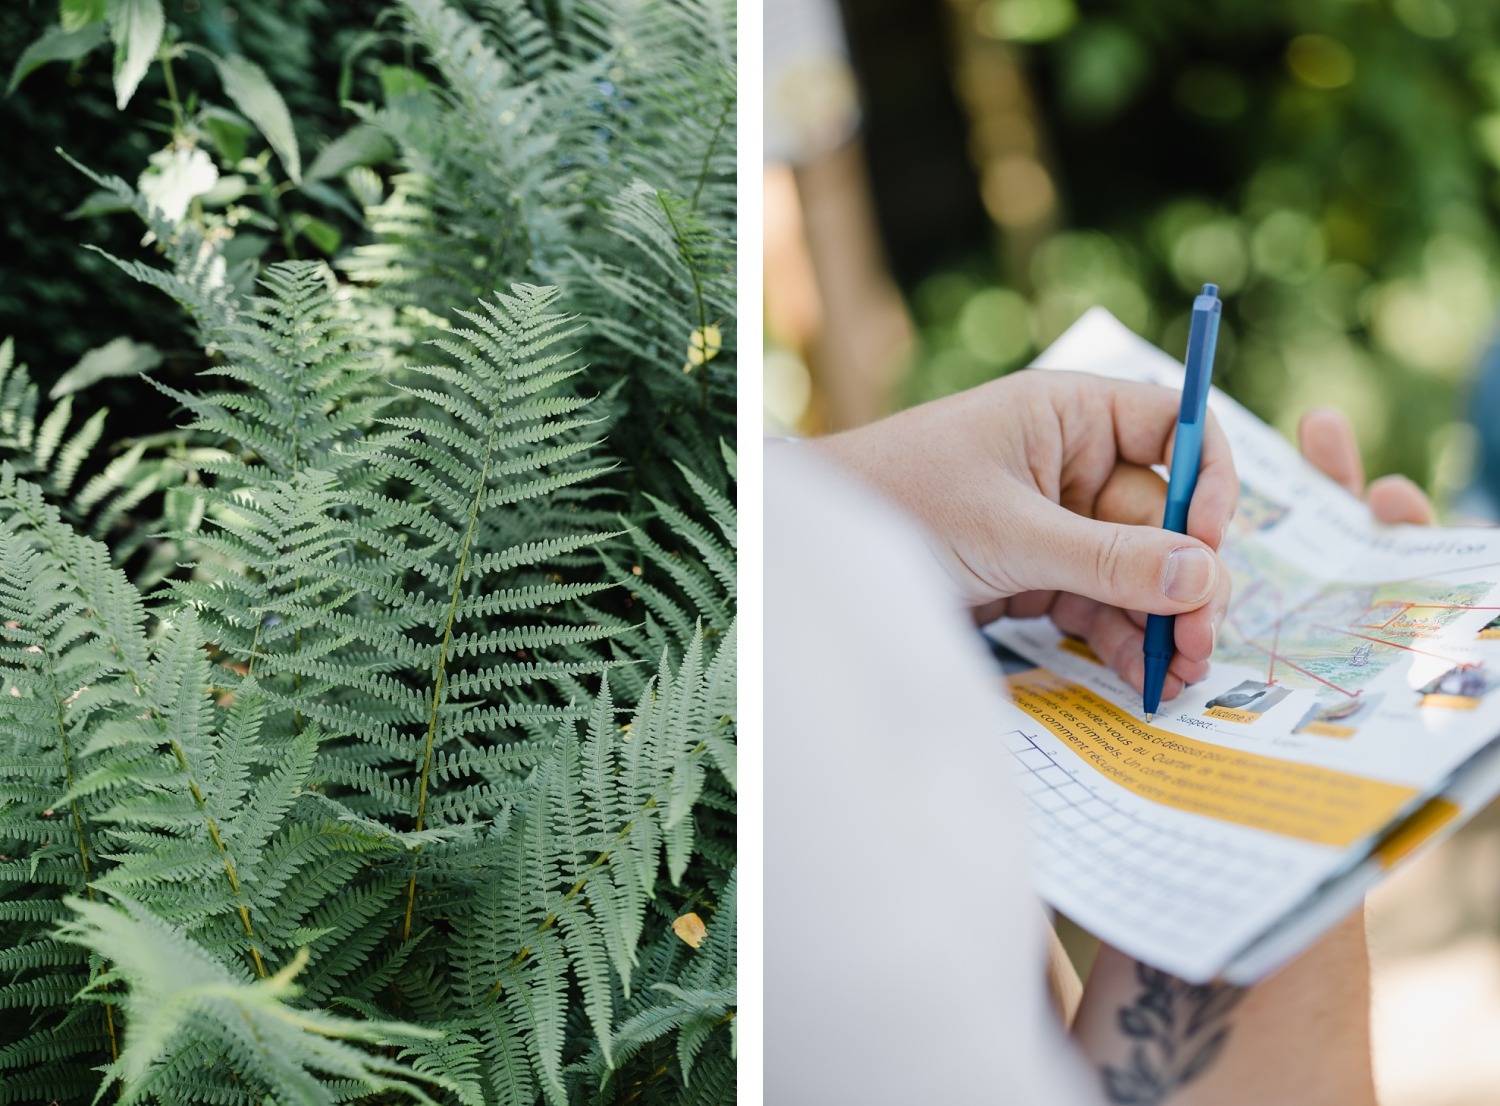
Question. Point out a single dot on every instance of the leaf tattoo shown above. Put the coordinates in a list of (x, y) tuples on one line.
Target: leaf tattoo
[(1178, 1030)]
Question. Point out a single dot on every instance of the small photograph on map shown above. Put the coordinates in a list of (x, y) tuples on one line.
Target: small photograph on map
[(1256, 512), (1248, 698), (1460, 688), (1491, 631), (1339, 718)]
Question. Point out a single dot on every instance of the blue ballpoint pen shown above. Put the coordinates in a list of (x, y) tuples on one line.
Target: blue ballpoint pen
[(1187, 455)]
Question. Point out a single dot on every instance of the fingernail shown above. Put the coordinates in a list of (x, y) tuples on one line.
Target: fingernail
[(1191, 574)]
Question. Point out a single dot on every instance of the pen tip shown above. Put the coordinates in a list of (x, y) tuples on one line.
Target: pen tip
[(1149, 716)]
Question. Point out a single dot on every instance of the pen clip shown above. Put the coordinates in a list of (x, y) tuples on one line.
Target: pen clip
[(1203, 336)]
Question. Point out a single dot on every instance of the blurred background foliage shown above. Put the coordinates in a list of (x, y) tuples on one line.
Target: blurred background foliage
[(1333, 165)]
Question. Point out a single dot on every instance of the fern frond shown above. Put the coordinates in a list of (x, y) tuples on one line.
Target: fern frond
[(173, 988)]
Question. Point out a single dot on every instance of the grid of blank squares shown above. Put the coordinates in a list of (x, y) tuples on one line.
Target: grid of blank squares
[(1109, 853)]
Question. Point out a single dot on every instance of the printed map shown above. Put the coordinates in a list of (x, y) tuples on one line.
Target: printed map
[(1335, 639)]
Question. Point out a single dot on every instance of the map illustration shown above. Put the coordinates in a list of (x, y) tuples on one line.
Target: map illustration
[(1337, 639)]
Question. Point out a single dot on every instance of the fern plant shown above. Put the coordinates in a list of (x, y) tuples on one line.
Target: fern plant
[(371, 736)]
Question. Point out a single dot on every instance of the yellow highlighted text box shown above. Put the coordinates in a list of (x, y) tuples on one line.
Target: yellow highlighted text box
[(1229, 714), (1279, 796), (1328, 729), (1451, 702)]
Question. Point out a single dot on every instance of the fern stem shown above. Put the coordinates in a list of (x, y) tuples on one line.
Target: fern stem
[(83, 847), (697, 295), (713, 143), (39, 524), (442, 671), (213, 832), (551, 919)]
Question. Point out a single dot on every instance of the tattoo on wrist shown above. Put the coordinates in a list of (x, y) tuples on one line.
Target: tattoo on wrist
[(1177, 1031)]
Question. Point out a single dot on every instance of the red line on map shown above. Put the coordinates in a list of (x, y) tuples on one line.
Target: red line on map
[(1382, 625), (1397, 645), (1276, 656)]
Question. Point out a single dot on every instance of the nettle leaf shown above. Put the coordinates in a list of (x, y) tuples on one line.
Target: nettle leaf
[(121, 357), (136, 26), (362, 144), (73, 14), (253, 93), (56, 44)]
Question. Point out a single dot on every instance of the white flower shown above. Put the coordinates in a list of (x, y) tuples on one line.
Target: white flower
[(176, 175)]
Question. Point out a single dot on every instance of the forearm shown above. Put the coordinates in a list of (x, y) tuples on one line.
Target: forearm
[(1301, 1038)]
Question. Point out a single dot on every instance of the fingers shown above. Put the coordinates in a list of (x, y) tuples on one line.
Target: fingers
[(1197, 632), (1118, 641), (1145, 420), (986, 613), (1327, 440), (1132, 495), (1138, 568), (1395, 499)]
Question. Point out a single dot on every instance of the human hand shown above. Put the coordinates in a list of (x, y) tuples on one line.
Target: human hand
[(1037, 492), (1137, 496), (1304, 1034), (1327, 440)]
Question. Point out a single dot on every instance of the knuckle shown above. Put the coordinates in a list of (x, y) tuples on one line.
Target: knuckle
[(1112, 560)]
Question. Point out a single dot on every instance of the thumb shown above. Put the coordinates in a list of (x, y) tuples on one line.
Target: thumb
[(1137, 568)]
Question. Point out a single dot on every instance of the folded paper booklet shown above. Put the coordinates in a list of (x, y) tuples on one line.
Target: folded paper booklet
[(1350, 718)]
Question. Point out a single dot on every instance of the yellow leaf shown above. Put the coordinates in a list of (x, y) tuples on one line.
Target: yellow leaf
[(691, 929), (704, 344)]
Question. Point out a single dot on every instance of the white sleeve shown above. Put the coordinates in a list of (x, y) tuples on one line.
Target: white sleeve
[(904, 952)]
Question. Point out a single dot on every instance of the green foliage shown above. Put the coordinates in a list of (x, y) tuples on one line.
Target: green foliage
[(315, 55), (362, 737)]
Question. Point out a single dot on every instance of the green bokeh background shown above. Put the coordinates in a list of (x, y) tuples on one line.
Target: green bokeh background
[(1331, 164)]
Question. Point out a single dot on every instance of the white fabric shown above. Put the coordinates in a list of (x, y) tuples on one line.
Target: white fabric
[(904, 952)]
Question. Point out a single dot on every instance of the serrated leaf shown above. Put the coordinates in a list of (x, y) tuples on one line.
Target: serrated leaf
[(121, 357), (56, 44), (74, 14), (227, 130), (100, 202), (362, 144), (136, 27), (253, 93)]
